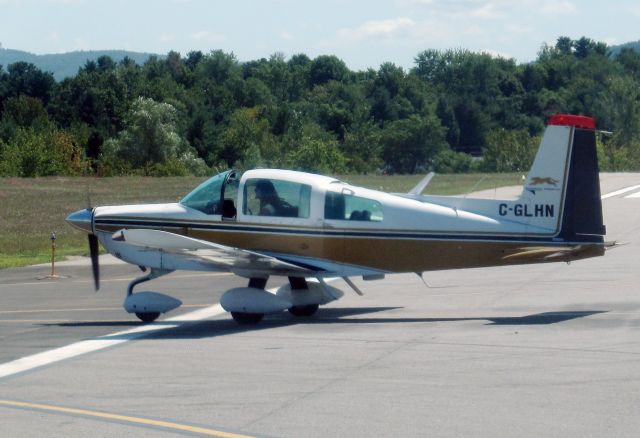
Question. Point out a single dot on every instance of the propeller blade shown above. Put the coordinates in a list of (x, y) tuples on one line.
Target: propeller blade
[(93, 251)]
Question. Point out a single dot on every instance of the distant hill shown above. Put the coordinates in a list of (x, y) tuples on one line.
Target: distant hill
[(635, 45), (63, 65)]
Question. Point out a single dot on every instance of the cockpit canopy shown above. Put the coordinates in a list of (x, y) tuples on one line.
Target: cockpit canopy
[(217, 195), (284, 194)]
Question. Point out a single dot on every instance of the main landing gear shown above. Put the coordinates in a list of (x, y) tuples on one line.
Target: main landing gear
[(245, 318), (300, 284), (250, 318), (297, 284)]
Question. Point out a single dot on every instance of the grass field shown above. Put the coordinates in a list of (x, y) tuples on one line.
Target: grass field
[(32, 208)]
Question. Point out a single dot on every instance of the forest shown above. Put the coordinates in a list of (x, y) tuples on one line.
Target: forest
[(454, 111)]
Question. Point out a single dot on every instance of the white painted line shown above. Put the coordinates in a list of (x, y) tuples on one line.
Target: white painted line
[(88, 309), (633, 195), (91, 345), (620, 192), (112, 280)]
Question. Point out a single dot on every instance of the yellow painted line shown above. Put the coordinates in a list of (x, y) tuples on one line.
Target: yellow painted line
[(123, 418)]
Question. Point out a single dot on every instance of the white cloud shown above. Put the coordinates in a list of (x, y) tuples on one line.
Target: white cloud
[(205, 35), (519, 29), (562, 7), (286, 35), (54, 37), (378, 28), (635, 10), (488, 11), (80, 43), (166, 38), (474, 30), (416, 2)]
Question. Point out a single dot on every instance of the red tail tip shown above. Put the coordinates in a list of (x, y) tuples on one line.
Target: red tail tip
[(582, 122)]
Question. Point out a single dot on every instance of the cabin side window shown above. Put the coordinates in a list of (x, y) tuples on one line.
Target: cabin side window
[(272, 197), (343, 206)]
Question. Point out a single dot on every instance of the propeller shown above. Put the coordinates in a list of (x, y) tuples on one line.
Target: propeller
[(83, 220), (95, 266), (93, 247)]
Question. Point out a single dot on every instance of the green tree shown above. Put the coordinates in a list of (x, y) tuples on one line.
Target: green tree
[(150, 138), (362, 147), (23, 111), (411, 144), (327, 68), (25, 78), (448, 161), (247, 140), (509, 151), (31, 153)]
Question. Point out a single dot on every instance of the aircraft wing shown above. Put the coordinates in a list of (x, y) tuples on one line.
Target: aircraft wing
[(213, 255)]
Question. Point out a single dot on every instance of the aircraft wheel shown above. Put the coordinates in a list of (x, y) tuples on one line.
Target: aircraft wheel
[(306, 310), (247, 318), (148, 316)]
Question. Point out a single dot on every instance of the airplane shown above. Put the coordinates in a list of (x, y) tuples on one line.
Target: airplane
[(310, 228)]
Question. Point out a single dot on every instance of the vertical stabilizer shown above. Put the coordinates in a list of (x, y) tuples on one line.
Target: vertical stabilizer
[(562, 189)]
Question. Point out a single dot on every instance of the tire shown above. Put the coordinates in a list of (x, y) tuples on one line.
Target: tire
[(247, 318), (306, 310), (148, 316)]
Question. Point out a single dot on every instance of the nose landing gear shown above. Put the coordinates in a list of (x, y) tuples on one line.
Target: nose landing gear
[(148, 306)]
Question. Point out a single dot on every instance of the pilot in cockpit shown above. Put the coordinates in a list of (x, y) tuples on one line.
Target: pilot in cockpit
[(270, 202)]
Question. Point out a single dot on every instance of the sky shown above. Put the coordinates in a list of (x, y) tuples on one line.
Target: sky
[(364, 34)]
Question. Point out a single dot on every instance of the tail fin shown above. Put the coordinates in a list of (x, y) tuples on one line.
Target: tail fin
[(564, 194)]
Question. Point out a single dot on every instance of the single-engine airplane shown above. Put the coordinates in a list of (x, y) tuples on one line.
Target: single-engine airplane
[(267, 222)]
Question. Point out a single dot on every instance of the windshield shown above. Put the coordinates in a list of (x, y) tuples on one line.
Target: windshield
[(206, 197)]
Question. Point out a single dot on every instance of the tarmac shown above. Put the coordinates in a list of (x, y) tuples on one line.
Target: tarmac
[(540, 350)]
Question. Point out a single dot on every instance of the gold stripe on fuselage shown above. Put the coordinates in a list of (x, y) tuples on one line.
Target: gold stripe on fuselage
[(386, 253)]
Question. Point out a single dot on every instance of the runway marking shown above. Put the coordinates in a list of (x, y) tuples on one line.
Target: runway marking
[(633, 195), (122, 418), (88, 309), (110, 280), (34, 321), (83, 347), (620, 192)]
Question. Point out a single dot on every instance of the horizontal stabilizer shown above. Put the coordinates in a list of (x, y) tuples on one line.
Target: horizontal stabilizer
[(422, 184), (553, 253)]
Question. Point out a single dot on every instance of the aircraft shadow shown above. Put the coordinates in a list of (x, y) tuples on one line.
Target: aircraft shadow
[(226, 326)]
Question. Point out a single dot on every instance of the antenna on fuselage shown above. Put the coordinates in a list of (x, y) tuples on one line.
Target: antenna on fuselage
[(464, 197)]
